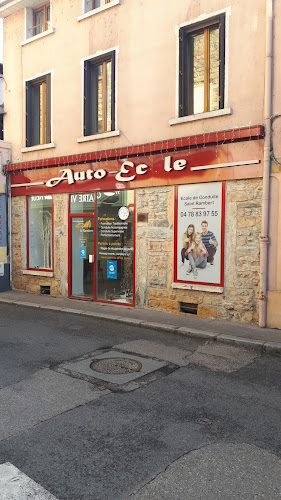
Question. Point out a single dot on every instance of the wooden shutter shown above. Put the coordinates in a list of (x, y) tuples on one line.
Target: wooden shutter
[(113, 91), (48, 109), (182, 69), (222, 60), (28, 114), (87, 97)]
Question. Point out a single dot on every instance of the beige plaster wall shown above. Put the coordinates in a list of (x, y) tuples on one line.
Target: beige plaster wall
[(276, 95), (155, 255), (274, 260), (144, 31), (274, 255)]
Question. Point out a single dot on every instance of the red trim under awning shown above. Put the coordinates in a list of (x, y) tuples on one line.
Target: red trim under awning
[(221, 137)]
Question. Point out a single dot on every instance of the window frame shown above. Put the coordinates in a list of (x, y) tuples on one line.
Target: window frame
[(28, 267), (93, 5), (185, 105), (97, 10), (89, 64), (43, 8), (29, 102)]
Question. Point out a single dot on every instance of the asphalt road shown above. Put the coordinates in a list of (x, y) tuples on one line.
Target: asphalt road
[(199, 420)]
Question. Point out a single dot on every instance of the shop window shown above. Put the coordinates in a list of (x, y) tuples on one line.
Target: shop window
[(99, 95), (41, 19), (102, 246), (40, 232), (115, 247), (38, 111), (201, 67), (95, 4), (81, 203)]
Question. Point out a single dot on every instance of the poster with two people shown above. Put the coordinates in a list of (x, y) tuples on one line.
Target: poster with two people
[(200, 233)]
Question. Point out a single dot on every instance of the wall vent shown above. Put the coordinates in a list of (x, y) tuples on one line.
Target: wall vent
[(188, 308), (143, 217), (45, 290)]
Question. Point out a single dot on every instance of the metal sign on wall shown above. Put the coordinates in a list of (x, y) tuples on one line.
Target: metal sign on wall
[(180, 167)]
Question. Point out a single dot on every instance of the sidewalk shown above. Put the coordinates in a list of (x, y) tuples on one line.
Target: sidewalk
[(264, 339)]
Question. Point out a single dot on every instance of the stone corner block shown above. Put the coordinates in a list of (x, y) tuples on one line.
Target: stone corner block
[(272, 347)]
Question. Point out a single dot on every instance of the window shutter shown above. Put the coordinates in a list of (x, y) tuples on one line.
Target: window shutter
[(181, 72), (87, 107), (28, 114), (48, 108), (113, 91), (222, 59)]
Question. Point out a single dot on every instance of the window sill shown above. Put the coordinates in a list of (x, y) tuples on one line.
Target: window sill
[(37, 37), (200, 116), (95, 137), (37, 148), (32, 272), (201, 288), (113, 3)]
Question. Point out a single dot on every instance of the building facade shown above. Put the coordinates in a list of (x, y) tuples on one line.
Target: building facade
[(138, 151), (5, 157)]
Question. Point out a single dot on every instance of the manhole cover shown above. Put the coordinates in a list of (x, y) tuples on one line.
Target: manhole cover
[(117, 366)]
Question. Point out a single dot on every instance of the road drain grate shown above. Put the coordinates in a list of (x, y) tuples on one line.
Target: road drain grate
[(116, 366)]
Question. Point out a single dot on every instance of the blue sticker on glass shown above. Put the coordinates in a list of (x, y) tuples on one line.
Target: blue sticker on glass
[(83, 252), (112, 269)]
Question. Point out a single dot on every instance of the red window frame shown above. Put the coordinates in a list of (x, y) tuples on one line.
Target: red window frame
[(222, 235), (94, 215)]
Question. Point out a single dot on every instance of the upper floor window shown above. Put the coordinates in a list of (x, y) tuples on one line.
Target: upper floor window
[(38, 111), (41, 19), (201, 67), (95, 4), (99, 94), (38, 21)]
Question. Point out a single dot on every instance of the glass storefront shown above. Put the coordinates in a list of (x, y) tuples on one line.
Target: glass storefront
[(115, 246), (82, 256), (102, 246)]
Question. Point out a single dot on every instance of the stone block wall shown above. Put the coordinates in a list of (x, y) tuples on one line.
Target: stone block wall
[(155, 254), (31, 281)]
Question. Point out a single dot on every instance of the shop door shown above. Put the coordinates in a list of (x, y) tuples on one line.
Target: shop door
[(101, 244), (82, 257)]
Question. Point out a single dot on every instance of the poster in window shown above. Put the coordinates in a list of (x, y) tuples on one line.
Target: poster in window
[(200, 234)]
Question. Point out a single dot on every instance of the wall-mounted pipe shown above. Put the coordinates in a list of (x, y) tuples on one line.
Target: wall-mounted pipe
[(264, 239)]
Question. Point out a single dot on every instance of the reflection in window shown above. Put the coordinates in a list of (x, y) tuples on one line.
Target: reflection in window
[(94, 4), (99, 84), (198, 73), (38, 111), (82, 203), (41, 19), (40, 232), (201, 75), (115, 246)]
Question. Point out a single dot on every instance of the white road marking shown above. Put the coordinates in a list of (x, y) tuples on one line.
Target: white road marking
[(15, 485)]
